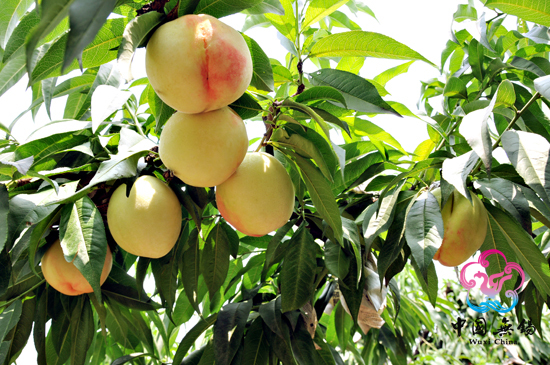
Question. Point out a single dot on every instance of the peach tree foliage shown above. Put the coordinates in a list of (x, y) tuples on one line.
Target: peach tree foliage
[(357, 203)]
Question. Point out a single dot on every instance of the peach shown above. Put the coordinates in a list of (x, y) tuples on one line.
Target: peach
[(259, 197), (148, 222), (204, 149), (464, 228), (196, 63), (64, 277)]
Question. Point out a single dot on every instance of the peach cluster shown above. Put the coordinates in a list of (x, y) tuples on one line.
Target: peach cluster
[(198, 66)]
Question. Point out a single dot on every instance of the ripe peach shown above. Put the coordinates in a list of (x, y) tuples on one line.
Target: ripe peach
[(64, 277), (196, 63), (148, 222), (259, 197), (204, 149), (464, 229)]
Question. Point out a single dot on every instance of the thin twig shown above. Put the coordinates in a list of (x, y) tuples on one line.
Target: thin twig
[(510, 125)]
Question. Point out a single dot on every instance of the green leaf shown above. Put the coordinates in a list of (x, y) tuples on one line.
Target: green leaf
[(12, 12), (329, 118), (83, 240), (192, 336), (134, 34), (76, 85), (496, 240), (475, 129), (509, 196), (262, 73), (58, 342), (17, 40), (456, 170), (12, 72), (359, 43), (29, 209), (379, 216), (390, 73), (267, 6), (272, 316), (130, 358), (4, 210), (120, 327), (424, 230), (308, 144), (104, 48), (273, 247), (298, 271), (352, 289), (9, 318), (393, 246), (165, 271), (285, 24), (122, 288), (506, 95), (229, 329), (465, 12), (530, 257), (82, 331), (246, 106), (358, 93), (302, 344), (342, 324), (321, 195), (256, 347), (531, 10), (475, 59), (455, 88), (38, 231), (321, 93), (336, 260), (106, 100), (215, 259), (85, 20), (48, 87), (529, 152), (429, 285), (52, 12), (376, 135), (351, 64), (20, 334), (341, 20), (190, 268), (323, 349), (39, 327), (318, 9), (42, 149), (221, 8), (159, 109)]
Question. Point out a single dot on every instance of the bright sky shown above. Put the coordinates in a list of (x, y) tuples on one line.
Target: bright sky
[(423, 25)]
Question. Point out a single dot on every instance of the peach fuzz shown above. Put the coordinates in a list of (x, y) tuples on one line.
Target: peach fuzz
[(148, 222), (464, 228), (196, 63), (204, 149), (259, 197), (64, 277)]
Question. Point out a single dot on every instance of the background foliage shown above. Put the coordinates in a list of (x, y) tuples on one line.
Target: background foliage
[(359, 205)]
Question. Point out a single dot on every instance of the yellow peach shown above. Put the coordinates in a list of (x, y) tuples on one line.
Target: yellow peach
[(148, 222), (259, 197), (464, 229), (197, 63), (64, 277), (204, 149)]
